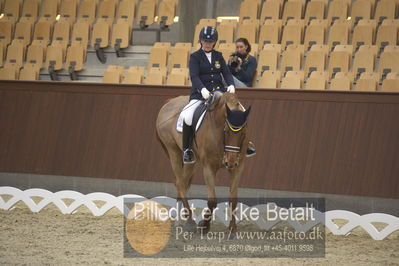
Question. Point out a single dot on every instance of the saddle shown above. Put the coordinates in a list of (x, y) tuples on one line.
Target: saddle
[(198, 117)]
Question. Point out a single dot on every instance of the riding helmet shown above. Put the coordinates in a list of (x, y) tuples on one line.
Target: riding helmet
[(208, 34)]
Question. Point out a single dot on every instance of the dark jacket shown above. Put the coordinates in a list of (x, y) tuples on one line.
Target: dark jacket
[(247, 71), (206, 75)]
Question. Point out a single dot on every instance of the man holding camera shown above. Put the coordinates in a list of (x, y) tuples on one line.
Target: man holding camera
[(242, 65)]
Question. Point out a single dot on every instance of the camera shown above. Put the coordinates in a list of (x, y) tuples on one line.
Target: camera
[(234, 61)]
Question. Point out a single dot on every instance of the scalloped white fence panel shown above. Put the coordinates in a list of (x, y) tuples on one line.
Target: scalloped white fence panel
[(88, 200)]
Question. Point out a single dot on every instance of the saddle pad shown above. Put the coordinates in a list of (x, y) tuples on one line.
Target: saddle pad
[(198, 117)]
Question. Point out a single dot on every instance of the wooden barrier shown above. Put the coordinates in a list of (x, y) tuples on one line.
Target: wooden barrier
[(313, 141)]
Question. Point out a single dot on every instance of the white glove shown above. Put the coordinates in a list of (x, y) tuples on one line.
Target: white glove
[(231, 89), (205, 93)]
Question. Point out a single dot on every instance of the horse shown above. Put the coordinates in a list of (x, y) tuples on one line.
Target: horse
[(217, 144)]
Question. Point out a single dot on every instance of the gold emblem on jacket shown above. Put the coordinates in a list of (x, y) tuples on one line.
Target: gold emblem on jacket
[(217, 64)]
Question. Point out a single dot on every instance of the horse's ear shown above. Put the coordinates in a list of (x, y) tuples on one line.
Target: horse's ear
[(227, 110), (247, 111)]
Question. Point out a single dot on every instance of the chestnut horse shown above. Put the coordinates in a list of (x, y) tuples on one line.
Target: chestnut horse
[(217, 144)]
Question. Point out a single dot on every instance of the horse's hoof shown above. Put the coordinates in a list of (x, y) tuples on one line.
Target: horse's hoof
[(203, 227), (190, 227), (232, 236)]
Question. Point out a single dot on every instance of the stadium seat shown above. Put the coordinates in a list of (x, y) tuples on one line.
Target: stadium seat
[(35, 56), (292, 34), (291, 60), (342, 82), (387, 35), (42, 33), (30, 11), (271, 9), (158, 58), (1, 54), (61, 34), (290, 83), (75, 59), (315, 61), (338, 10), (178, 77), (134, 75), (339, 33), (296, 74), (106, 11), (11, 10), (339, 61), (87, 11), (268, 60), (54, 60), (361, 9), (146, 13), (6, 31), (178, 58), (388, 62), (184, 45), (270, 32), (226, 49), (364, 61), (226, 33), (23, 33), (112, 77), (248, 10), (155, 76), (293, 10), (165, 45), (315, 9), (248, 31), (166, 13), (100, 39), (270, 80), (233, 22), (368, 81), (28, 72), (120, 37), (317, 81), (80, 34), (15, 55), (49, 11), (126, 9), (363, 34), (68, 11), (391, 83), (385, 9), (8, 72), (314, 35)]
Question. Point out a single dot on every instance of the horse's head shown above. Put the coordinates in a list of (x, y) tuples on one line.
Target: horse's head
[(234, 135)]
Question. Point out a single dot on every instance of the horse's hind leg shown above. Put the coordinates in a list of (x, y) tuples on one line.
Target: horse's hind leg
[(183, 174)]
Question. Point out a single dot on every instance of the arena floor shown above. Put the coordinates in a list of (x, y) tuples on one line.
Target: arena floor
[(50, 237)]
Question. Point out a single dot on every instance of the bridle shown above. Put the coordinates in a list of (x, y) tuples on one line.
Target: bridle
[(235, 130)]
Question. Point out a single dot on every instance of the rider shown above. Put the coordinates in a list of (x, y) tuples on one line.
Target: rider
[(206, 69)]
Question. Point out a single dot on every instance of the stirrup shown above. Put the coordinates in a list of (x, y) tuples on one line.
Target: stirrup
[(251, 151), (188, 156)]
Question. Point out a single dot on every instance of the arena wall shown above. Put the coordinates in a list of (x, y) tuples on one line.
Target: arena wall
[(326, 142)]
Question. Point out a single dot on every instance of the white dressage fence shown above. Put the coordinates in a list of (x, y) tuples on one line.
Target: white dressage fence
[(88, 200)]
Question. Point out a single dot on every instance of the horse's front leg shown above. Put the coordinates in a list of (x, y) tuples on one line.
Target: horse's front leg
[(209, 177), (235, 180)]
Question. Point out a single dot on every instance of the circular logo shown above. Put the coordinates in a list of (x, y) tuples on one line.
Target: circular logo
[(148, 227)]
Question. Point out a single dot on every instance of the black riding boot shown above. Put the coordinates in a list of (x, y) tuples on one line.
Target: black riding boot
[(188, 154), (251, 149)]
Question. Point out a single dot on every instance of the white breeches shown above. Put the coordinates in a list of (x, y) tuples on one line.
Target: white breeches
[(188, 111)]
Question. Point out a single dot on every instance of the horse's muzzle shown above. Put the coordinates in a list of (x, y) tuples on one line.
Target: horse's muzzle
[(228, 165)]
